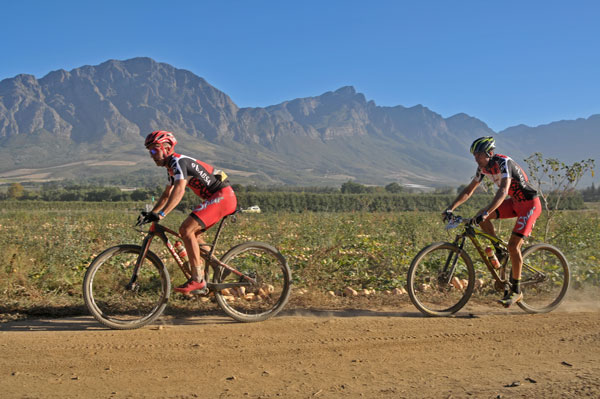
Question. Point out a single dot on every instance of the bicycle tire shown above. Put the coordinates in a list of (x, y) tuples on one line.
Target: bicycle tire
[(271, 293), (106, 296), (546, 294), (424, 288)]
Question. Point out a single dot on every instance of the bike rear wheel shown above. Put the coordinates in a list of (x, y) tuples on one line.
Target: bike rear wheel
[(262, 300), (107, 296), (431, 289), (545, 278)]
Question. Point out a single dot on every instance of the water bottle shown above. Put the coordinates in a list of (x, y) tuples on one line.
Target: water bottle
[(489, 252), (180, 249)]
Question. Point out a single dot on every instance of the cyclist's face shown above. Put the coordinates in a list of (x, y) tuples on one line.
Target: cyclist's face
[(157, 154), (482, 159)]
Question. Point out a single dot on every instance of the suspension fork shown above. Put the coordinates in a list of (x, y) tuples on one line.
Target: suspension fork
[(448, 271), (138, 263)]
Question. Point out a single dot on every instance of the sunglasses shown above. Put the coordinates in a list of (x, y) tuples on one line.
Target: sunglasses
[(153, 151)]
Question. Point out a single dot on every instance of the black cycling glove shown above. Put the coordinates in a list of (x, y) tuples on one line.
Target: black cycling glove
[(447, 215), (479, 218), (148, 217)]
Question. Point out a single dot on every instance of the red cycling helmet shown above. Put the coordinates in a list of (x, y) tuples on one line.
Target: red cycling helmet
[(161, 137)]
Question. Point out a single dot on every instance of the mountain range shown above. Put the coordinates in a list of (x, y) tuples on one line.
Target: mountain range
[(92, 120)]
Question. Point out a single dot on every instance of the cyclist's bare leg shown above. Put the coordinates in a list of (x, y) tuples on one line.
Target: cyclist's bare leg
[(190, 231), (487, 225), (201, 241), (514, 249)]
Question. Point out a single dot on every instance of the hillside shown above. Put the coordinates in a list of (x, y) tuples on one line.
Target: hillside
[(91, 121)]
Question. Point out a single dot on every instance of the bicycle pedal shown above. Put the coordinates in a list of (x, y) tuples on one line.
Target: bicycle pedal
[(505, 305), (203, 291)]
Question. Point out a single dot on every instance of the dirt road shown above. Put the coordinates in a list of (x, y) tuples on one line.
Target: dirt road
[(488, 353)]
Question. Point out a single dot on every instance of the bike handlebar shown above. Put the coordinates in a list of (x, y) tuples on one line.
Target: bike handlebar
[(455, 220)]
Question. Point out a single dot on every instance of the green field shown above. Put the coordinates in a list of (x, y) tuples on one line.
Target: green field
[(48, 246)]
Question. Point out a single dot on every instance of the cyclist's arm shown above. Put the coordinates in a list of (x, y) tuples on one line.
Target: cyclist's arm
[(176, 194), (464, 195), (163, 198), (500, 195)]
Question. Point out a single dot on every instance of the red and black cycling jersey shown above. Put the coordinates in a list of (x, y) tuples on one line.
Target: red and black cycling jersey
[(501, 166), (199, 175)]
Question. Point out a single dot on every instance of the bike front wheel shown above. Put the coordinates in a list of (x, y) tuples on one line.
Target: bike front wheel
[(440, 279), (253, 302), (545, 278), (116, 303)]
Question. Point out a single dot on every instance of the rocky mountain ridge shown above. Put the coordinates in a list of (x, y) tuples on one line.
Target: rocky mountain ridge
[(103, 113)]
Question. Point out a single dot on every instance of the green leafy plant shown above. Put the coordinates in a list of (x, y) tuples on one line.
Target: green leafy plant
[(555, 180)]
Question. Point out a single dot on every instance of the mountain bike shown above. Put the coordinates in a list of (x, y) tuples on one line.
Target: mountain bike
[(128, 286), (436, 272)]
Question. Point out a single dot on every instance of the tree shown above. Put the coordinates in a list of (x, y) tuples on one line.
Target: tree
[(71, 195), (237, 188), (139, 195), (104, 194), (445, 190), (351, 187), (554, 180), (15, 191), (394, 188)]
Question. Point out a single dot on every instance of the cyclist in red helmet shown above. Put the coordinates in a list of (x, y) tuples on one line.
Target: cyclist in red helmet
[(515, 198), (206, 182)]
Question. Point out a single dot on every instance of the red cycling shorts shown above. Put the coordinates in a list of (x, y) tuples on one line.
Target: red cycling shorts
[(214, 208), (526, 213)]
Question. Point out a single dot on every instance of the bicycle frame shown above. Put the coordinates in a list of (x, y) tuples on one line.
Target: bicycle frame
[(473, 233), (161, 231), (501, 279)]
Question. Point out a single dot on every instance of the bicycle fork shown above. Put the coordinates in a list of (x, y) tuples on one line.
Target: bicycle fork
[(132, 285), (445, 276)]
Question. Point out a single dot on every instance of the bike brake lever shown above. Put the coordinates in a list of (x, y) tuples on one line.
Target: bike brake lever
[(141, 221)]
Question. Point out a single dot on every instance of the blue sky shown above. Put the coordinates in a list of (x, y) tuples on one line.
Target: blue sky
[(504, 62)]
